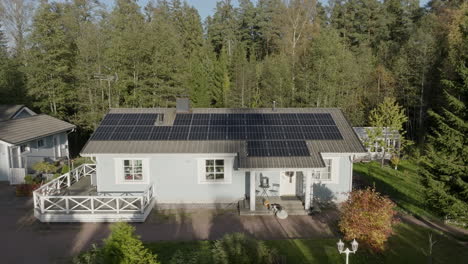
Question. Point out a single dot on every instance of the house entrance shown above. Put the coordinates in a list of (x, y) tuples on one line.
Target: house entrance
[(288, 183)]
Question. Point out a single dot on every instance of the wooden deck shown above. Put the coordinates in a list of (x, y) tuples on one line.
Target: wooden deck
[(293, 205), (72, 198)]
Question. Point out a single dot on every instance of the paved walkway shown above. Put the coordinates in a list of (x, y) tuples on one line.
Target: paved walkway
[(25, 240)]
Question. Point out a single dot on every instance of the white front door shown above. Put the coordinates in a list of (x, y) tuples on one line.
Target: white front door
[(288, 183)]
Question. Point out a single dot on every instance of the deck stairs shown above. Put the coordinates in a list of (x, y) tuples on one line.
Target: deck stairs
[(292, 206)]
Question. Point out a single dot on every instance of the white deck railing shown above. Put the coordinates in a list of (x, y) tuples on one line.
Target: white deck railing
[(56, 186), (50, 198)]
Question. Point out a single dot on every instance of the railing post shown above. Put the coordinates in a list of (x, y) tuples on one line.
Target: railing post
[(67, 206), (35, 200), (142, 205), (42, 204), (117, 204), (92, 205), (68, 180)]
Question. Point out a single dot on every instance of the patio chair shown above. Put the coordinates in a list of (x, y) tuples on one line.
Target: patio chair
[(274, 190)]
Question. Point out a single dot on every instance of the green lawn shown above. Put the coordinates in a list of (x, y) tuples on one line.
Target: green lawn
[(403, 186), (408, 245)]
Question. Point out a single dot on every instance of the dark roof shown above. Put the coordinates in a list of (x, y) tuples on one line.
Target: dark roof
[(8, 111), (349, 143), (29, 128)]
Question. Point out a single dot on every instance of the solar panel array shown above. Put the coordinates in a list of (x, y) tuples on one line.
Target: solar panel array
[(277, 148), (266, 134)]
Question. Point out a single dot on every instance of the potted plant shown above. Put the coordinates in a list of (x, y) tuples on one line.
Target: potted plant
[(45, 168)]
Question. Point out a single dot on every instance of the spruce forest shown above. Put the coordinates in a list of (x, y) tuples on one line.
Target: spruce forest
[(76, 59)]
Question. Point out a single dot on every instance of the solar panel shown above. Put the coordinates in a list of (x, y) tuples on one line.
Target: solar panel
[(183, 120), (198, 133), (217, 133), (160, 133), (236, 132), (271, 128), (277, 148), (179, 133)]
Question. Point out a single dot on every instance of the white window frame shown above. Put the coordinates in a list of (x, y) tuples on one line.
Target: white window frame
[(332, 169), (202, 173), (120, 171)]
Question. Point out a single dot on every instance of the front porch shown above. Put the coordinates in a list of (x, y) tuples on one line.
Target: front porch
[(72, 198), (292, 204), (290, 189)]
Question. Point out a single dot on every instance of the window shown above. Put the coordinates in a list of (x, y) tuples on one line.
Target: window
[(40, 143), (133, 170), (24, 148), (214, 170), (325, 173)]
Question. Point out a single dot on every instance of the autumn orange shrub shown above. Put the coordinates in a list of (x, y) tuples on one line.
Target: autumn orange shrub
[(368, 217)]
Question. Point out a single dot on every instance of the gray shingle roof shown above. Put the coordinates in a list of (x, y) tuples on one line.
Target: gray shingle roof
[(349, 144), (33, 127), (8, 111)]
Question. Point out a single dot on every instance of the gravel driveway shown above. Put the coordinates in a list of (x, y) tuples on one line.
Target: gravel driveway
[(25, 240)]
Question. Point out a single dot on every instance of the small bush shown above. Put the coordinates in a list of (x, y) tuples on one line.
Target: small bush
[(241, 249), (395, 161), (65, 169), (122, 246), (368, 217), (31, 179), (81, 160), (44, 167)]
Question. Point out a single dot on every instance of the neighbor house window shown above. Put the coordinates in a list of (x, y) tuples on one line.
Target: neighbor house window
[(40, 143), (214, 169), (24, 148), (133, 170), (325, 173)]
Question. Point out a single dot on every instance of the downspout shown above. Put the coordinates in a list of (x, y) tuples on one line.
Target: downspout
[(70, 164), (351, 159)]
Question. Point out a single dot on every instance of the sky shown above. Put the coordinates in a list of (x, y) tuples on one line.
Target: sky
[(206, 7)]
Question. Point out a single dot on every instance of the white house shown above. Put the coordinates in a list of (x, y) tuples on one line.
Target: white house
[(222, 157), (27, 138), (390, 139)]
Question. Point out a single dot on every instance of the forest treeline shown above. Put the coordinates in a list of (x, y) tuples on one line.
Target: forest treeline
[(76, 59)]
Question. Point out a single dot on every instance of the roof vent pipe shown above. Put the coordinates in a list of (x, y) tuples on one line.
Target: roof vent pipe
[(274, 106), (182, 105)]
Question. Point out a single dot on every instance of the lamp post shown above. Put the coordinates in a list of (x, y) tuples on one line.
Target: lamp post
[(354, 246)]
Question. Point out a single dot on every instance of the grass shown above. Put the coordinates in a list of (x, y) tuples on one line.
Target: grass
[(408, 245), (403, 186)]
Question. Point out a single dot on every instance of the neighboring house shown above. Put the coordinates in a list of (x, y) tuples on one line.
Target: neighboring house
[(27, 138), (223, 156), (391, 141)]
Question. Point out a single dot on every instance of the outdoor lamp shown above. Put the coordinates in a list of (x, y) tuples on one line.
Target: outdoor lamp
[(340, 245), (354, 246)]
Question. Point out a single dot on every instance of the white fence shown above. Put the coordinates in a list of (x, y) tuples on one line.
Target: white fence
[(50, 200)]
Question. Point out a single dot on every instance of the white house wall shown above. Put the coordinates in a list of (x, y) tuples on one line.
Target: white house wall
[(336, 191), (4, 163), (175, 178), (45, 153)]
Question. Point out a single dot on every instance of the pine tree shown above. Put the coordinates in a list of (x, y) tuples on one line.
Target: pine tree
[(126, 56), (445, 165), (51, 60)]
